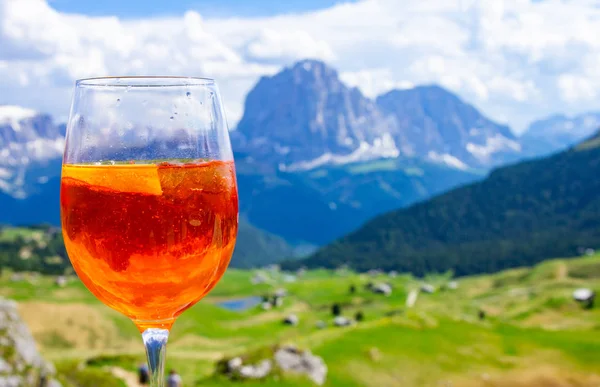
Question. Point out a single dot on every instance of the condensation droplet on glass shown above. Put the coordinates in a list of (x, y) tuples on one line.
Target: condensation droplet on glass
[(176, 113), (171, 117), (127, 88), (112, 162), (144, 102), (188, 94)]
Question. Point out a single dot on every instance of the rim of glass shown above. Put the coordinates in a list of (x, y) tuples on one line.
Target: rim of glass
[(144, 81)]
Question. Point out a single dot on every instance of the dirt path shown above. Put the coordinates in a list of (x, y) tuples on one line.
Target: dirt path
[(129, 378)]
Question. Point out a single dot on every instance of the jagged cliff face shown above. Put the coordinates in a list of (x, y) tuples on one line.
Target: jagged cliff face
[(21, 365)]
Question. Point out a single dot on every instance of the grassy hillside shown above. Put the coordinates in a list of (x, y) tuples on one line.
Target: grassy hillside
[(518, 216), (533, 333)]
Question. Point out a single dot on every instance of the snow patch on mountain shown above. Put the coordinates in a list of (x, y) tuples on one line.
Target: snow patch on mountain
[(382, 147), (448, 160), (492, 145)]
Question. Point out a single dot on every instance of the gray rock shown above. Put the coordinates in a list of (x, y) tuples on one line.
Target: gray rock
[(259, 278), (292, 319), (234, 364), (54, 383), (5, 368), (21, 365), (11, 381), (583, 295), (281, 292), (382, 288), (61, 281), (258, 371), (289, 358), (427, 288), (453, 285), (341, 321), (321, 324)]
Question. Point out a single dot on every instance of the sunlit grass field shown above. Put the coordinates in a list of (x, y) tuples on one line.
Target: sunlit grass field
[(533, 333)]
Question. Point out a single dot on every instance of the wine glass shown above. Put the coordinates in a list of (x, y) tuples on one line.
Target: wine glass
[(149, 203)]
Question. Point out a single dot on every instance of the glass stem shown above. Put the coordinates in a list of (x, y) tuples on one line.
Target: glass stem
[(155, 341)]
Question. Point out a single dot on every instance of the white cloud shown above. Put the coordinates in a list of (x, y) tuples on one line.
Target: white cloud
[(274, 45), (515, 59)]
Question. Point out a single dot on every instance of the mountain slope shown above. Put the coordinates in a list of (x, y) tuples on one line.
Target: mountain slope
[(518, 216), (319, 205), (31, 146), (558, 132), (257, 248), (439, 126)]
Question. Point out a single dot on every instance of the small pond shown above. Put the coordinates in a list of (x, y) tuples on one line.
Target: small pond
[(240, 304)]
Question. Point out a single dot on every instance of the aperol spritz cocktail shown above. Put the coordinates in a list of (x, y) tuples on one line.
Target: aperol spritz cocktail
[(150, 240), (149, 202)]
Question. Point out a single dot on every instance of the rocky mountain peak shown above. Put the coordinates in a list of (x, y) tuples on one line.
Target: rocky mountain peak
[(306, 114), (439, 126)]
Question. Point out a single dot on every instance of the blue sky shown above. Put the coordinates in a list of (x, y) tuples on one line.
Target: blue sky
[(208, 8)]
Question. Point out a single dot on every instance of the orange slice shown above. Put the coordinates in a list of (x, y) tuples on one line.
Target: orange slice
[(123, 178)]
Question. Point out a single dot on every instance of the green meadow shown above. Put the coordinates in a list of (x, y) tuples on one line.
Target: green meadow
[(533, 333)]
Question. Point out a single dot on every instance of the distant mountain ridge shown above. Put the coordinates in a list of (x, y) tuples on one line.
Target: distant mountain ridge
[(518, 216), (439, 126), (558, 132), (305, 117), (30, 145)]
